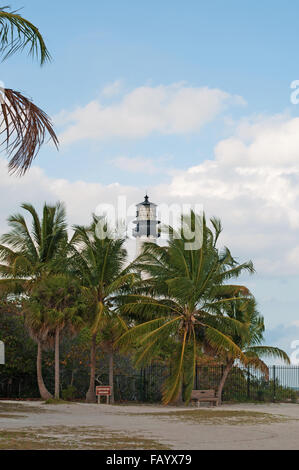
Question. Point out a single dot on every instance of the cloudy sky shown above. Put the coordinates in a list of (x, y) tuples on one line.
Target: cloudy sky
[(190, 100)]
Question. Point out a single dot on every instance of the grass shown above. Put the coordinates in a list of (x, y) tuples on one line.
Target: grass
[(8, 416), (212, 417), (79, 438), (57, 401), (7, 408)]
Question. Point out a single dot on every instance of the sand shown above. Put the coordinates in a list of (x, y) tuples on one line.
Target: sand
[(243, 426)]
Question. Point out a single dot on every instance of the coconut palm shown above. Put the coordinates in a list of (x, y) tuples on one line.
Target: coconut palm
[(24, 126), (30, 254), (99, 261), (249, 339), (181, 298)]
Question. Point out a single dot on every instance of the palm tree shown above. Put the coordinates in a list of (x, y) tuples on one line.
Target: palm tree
[(99, 261), (249, 340), (111, 330), (40, 331), (181, 299), (59, 301), (28, 255), (24, 126)]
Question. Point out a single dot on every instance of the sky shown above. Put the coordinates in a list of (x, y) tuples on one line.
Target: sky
[(189, 100)]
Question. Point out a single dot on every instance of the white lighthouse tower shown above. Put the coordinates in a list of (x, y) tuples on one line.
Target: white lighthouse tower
[(146, 224)]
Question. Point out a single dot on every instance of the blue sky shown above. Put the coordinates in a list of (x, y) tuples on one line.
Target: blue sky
[(247, 49), (123, 64)]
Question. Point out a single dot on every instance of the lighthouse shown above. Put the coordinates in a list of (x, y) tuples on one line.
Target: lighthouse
[(146, 223)]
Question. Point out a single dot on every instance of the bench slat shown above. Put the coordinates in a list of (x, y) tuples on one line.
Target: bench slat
[(200, 394), (204, 396)]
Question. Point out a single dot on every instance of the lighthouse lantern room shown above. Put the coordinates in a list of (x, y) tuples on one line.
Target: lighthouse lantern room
[(146, 223)]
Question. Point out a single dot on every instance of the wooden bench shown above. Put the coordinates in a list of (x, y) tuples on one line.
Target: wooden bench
[(204, 395)]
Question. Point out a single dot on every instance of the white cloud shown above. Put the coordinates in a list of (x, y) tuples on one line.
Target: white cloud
[(172, 109), (112, 89), (271, 142), (81, 198), (256, 197), (253, 186), (147, 166)]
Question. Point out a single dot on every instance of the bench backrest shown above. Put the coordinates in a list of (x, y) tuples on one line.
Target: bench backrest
[(203, 394)]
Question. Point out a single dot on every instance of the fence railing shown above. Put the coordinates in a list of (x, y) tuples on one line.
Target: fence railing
[(249, 384), (242, 384)]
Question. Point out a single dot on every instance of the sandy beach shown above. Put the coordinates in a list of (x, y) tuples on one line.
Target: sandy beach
[(87, 426)]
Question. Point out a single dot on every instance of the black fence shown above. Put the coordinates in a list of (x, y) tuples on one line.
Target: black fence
[(249, 384), (242, 384), (24, 386), (144, 386)]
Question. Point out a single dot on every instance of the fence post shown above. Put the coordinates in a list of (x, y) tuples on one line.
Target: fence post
[(222, 371), (141, 391), (196, 380), (145, 383), (274, 383), (248, 383)]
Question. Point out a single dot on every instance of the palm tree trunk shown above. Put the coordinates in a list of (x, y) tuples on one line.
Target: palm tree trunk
[(91, 395), (226, 371), (44, 393), (111, 375), (57, 363), (178, 400)]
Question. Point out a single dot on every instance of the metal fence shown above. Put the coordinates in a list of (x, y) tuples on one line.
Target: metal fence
[(242, 384), (249, 384), (144, 386), (18, 387)]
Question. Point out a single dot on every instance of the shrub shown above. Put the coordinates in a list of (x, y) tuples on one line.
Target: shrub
[(68, 394)]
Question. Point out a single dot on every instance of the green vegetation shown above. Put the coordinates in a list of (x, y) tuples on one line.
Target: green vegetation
[(64, 438), (187, 298), (213, 417), (78, 297), (98, 261), (24, 126)]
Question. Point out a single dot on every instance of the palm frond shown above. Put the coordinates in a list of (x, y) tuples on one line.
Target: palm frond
[(16, 33), (24, 128), (269, 351)]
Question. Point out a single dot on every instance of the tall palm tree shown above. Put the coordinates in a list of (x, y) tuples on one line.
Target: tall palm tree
[(24, 126), (40, 331), (249, 340), (111, 330), (100, 263), (28, 255), (58, 300), (181, 298)]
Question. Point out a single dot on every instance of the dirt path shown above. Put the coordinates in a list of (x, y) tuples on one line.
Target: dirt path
[(36, 425)]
